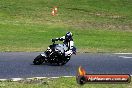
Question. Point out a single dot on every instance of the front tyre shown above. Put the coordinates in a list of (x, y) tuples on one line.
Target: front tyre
[(38, 60)]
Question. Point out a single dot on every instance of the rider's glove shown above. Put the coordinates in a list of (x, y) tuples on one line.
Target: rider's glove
[(68, 53), (61, 39), (53, 40)]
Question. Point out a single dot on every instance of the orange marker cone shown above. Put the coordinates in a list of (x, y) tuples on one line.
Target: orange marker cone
[(54, 11)]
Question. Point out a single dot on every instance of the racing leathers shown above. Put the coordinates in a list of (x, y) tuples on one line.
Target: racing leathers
[(68, 43)]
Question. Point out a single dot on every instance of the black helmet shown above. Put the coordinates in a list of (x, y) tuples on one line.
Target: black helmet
[(68, 36)]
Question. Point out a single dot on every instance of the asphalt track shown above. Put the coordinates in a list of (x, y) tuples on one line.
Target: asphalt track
[(19, 65)]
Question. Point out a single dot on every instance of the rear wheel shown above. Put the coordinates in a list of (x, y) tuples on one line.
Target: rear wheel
[(38, 60)]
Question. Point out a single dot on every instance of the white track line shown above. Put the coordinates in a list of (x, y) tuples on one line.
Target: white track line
[(20, 79), (125, 57), (123, 53), (16, 79), (38, 77), (68, 76), (54, 77)]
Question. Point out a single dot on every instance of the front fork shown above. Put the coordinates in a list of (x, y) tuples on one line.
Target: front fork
[(46, 54), (43, 54)]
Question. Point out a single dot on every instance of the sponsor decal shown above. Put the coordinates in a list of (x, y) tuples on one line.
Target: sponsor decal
[(82, 77)]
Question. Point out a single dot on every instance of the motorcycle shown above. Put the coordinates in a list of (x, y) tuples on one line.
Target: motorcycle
[(54, 55)]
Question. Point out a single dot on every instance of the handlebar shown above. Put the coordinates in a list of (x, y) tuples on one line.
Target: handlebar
[(53, 42)]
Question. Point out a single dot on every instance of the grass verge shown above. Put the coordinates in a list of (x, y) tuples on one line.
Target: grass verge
[(58, 83), (38, 37)]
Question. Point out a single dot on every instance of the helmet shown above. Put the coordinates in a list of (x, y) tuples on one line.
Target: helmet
[(68, 36)]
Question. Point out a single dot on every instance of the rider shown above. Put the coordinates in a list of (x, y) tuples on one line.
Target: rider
[(68, 41)]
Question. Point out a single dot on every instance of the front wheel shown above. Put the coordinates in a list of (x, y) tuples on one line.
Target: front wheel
[(38, 60)]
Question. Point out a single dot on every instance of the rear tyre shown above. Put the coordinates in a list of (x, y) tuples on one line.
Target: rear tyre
[(38, 60)]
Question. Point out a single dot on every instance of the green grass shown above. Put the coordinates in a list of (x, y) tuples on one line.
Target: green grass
[(58, 83), (37, 38), (98, 25)]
